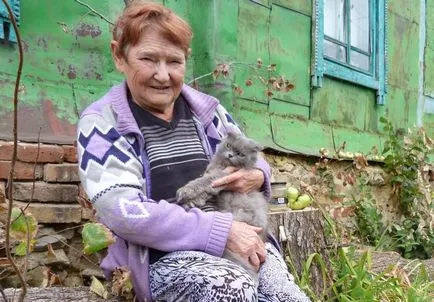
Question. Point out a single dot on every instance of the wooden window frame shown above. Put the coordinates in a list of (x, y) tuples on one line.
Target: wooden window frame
[(376, 78)]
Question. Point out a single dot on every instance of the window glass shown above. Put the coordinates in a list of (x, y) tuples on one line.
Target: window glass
[(359, 24), (350, 43), (335, 51), (334, 19), (359, 60)]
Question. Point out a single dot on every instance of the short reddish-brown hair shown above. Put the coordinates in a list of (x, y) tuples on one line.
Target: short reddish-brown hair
[(139, 16)]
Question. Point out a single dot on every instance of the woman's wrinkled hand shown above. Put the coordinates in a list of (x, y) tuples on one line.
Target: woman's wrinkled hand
[(240, 180), (244, 240)]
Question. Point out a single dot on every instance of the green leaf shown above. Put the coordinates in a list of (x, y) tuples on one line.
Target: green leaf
[(96, 237), (20, 249), (20, 222), (383, 120), (98, 288)]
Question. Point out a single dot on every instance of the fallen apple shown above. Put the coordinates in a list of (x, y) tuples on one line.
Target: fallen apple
[(292, 193), (302, 201)]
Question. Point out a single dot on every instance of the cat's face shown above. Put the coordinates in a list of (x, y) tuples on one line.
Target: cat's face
[(238, 151)]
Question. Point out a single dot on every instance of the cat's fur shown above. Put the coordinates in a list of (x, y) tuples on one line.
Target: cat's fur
[(237, 151)]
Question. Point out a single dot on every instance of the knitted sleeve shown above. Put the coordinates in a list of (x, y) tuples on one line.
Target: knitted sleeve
[(111, 174), (228, 124)]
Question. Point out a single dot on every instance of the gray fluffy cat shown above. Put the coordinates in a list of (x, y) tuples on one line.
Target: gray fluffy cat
[(238, 151)]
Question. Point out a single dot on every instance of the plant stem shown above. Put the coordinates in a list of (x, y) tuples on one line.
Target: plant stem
[(94, 11), (14, 153)]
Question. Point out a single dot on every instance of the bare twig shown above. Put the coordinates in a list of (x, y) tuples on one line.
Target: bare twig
[(34, 173), (64, 230), (68, 245), (247, 65), (33, 179), (14, 153), (94, 11), (73, 248), (201, 77), (79, 21)]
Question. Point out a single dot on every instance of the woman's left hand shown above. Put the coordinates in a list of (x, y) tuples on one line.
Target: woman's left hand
[(241, 180)]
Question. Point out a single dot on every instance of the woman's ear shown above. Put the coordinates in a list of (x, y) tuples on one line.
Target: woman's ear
[(118, 59), (188, 54)]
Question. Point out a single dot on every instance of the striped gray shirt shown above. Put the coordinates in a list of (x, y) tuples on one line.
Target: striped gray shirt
[(173, 148)]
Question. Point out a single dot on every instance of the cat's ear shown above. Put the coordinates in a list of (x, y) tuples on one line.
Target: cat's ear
[(258, 147), (232, 134)]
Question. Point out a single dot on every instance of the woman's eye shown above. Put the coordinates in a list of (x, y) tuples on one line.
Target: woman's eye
[(147, 59)]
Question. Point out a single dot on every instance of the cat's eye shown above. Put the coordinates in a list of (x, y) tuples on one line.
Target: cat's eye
[(227, 145), (239, 154)]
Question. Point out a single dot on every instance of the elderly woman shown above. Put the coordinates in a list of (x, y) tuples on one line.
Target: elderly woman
[(145, 139)]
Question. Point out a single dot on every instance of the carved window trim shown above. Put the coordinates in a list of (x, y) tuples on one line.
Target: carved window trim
[(323, 66)]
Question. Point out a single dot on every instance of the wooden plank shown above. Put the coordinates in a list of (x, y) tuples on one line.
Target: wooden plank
[(70, 294), (253, 36), (301, 6), (342, 103), (292, 58)]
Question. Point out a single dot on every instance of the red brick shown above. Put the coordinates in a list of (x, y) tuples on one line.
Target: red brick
[(61, 173), (46, 192), (29, 152), (53, 213), (70, 154), (6, 149), (23, 171), (47, 153)]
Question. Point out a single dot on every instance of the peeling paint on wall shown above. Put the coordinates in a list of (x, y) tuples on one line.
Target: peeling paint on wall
[(67, 65), (422, 44)]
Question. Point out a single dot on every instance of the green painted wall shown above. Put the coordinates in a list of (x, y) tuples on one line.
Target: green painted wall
[(429, 52), (306, 119), (67, 65), (71, 69)]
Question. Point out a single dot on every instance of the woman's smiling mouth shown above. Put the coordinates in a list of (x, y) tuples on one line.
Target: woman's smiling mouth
[(160, 88)]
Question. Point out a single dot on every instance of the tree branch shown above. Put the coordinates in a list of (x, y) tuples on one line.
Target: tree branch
[(94, 11), (14, 153)]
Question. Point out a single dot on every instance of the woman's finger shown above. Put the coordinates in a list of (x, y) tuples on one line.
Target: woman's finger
[(254, 261), (261, 253), (224, 180)]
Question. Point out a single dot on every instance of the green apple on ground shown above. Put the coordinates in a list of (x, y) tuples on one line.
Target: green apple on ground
[(302, 201), (292, 194)]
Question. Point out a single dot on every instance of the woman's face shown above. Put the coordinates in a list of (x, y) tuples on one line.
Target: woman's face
[(154, 71)]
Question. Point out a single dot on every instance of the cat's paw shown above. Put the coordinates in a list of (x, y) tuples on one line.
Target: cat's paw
[(184, 194), (188, 205)]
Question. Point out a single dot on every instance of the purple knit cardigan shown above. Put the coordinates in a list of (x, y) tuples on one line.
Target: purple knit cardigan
[(160, 224)]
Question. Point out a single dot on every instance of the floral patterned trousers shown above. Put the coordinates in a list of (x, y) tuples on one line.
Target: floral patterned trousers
[(197, 276)]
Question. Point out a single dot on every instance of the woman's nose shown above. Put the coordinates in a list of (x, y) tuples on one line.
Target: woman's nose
[(162, 72)]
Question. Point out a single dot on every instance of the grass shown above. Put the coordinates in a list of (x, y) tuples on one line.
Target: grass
[(351, 278)]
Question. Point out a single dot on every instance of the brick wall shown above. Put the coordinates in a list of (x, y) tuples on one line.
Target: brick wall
[(57, 183), (56, 188)]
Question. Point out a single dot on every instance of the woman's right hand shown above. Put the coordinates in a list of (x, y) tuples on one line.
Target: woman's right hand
[(244, 240)]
